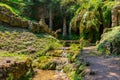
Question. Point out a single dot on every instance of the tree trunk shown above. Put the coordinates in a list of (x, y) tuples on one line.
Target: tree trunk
[(102, 23), (64, 27), (50, 19), (69, 31)]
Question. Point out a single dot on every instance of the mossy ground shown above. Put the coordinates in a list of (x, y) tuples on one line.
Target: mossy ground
[(22, 41), (43, 49), (21, 44)]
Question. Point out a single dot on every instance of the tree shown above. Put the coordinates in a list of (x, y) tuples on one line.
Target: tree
[(89, 19), (68, 7), (51, 5)]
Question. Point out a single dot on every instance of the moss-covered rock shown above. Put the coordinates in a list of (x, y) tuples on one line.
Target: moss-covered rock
[(13, 68), (55, 53), (4, 18), (50, 62), (45, 62), (110, 41), (115, 16), (8, 16), (20, 41)]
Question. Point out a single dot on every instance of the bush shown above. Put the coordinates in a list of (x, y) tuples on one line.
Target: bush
[(110, 42)]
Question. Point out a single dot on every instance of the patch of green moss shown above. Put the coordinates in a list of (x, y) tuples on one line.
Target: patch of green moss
[(11, 9), (19, 41), (45, 62), (14, 55), (11, 77), (55, 53)]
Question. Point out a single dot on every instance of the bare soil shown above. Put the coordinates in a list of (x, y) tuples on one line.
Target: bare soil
[(101, 67)]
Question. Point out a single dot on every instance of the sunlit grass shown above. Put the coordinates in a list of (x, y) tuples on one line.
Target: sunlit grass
[(14, 55)]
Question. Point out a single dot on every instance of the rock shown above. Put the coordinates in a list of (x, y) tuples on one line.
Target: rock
[(92, 72), (13, 69), (115, 16), (14, 20), (24, 23), (87, 63), (8, 61), (4, 18), (106, 30), (87, 71)]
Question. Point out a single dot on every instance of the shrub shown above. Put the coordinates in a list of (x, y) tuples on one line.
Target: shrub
[(110, 42)]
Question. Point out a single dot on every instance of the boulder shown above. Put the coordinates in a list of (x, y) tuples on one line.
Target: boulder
[(12, 19), (13, 69), (4, 18), (115, 16)]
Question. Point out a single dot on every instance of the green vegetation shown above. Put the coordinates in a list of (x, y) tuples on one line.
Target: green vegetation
[(21, 44), (88, 21), (14, 11), (45, 63), (74, 69), (91, 18), (26, 42), (107, 7), (75, 72), (109, 43)]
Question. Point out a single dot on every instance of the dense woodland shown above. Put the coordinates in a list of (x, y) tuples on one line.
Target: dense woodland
[(73, 17), (34, 35)]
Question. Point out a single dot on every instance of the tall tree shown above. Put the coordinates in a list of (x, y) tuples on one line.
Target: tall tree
[(68, 8), (51, 5)]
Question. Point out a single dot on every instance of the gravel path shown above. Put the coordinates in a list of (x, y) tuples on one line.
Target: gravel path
[(101, 68)]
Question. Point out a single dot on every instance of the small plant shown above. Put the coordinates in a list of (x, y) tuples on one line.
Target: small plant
[(75, 47), (10, 76), (27, 76)]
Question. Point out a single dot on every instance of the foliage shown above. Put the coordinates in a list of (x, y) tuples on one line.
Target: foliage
[(75, 69), (75, 47), (90, 17), (107, 7), (26, 42), (45, 62), (20, 7), (14, 55), (75, 73), (11, 9), (27, 76), (110, 39)]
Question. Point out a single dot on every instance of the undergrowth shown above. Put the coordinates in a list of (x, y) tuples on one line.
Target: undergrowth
[(11, 9), (109, 44), (26, 42)]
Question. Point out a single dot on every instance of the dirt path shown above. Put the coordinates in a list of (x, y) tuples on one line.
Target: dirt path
[(101, 68)]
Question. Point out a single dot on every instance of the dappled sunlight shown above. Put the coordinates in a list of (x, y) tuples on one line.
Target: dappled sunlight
[(59, 40), (103, 68)]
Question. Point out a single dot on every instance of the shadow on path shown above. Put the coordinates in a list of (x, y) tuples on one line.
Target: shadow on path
[(103, 68)]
